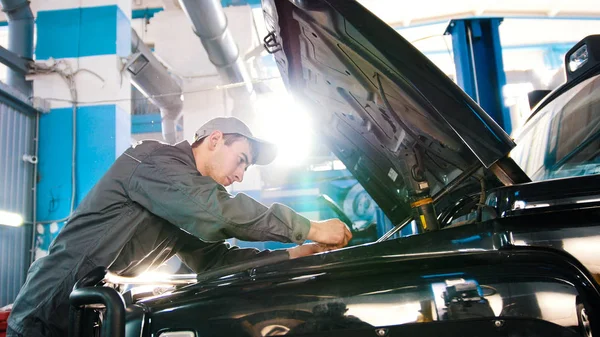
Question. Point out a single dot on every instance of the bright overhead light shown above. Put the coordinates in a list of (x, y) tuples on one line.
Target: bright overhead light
[(280, 120), (10, 219)]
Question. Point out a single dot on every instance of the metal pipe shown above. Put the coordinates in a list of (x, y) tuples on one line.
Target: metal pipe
[(155, 82), (114, 318), (168, 127), (34, 189), (210, 24), (395, 230), (20, 39), (457, 181)]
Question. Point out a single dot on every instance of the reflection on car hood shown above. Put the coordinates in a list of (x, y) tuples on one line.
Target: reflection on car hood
[(375, 99)]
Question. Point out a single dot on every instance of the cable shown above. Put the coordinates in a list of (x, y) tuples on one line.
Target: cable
[(410, 132), (481, 199), (218, 87), (90, 72), (426, 38), (443, 36), (34, 188), (493, 290), (405, 127), (65, 71), (450, 54), (398, 120)]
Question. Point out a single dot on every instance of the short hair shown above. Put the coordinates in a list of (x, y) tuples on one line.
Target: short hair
[(230, 138)]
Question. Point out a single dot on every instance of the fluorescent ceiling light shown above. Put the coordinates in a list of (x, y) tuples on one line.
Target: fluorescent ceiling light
[(10, 219)]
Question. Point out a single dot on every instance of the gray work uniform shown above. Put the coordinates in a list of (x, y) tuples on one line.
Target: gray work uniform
[(150, 205)]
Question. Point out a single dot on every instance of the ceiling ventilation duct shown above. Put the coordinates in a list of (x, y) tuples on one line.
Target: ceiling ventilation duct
[(210, 24), (153, 80), (20, 39)]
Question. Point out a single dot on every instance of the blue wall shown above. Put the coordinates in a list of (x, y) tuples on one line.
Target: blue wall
[(98, 144), (87, 31)]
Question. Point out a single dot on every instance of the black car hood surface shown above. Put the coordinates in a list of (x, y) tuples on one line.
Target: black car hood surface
[(374, 98)]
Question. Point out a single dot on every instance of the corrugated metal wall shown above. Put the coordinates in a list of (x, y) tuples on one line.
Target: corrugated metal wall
[(16, 180)]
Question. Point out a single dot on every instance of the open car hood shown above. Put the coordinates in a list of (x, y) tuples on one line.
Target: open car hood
[(389, 114)]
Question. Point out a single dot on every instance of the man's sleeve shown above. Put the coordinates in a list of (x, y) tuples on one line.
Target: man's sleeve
[(176, 192), (201, 256)]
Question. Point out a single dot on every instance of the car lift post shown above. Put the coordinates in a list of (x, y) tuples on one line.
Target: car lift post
[(479, 66)]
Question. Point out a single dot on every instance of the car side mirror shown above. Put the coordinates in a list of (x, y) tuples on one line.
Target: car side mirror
[(583, 57)]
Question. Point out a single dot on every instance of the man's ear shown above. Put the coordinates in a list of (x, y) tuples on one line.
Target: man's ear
[(214, 138)]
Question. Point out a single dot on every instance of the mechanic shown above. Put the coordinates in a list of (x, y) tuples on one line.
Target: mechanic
[(158, 200)]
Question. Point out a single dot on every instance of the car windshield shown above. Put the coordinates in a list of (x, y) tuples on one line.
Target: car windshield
[(563, 138)]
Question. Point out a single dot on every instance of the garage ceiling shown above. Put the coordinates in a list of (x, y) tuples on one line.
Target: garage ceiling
[(406, 13), (399, 13)]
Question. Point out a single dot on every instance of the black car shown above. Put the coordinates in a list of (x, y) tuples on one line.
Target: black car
[(492, 257)]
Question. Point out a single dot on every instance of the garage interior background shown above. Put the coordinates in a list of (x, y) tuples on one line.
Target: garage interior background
[(86, 52)]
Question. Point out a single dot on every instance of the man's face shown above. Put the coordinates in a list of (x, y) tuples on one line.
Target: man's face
[(229, 162)]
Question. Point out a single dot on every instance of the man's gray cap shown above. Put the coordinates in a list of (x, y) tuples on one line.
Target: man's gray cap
[(266, 151)]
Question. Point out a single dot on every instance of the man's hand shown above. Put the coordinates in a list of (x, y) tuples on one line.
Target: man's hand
[(332, 233), (307, 249), (327, 235)]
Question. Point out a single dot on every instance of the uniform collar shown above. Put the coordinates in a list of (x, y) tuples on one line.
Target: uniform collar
[(187, 149)]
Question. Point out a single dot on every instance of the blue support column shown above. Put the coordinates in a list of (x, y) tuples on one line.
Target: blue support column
[(479, 66), (91, 39)]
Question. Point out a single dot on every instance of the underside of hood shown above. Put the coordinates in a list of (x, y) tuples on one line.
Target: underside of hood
[(399, 124)]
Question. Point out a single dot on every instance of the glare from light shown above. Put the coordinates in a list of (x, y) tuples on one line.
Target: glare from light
[(153, 278), (517, 89), (496, 303), (558, 307), (383, 314), (585, 249), (338, 165), (328, 166), (545, 75), (303, 277), (280, 120), (539, 205), (520, 243), (10, 219), (585, 201)]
